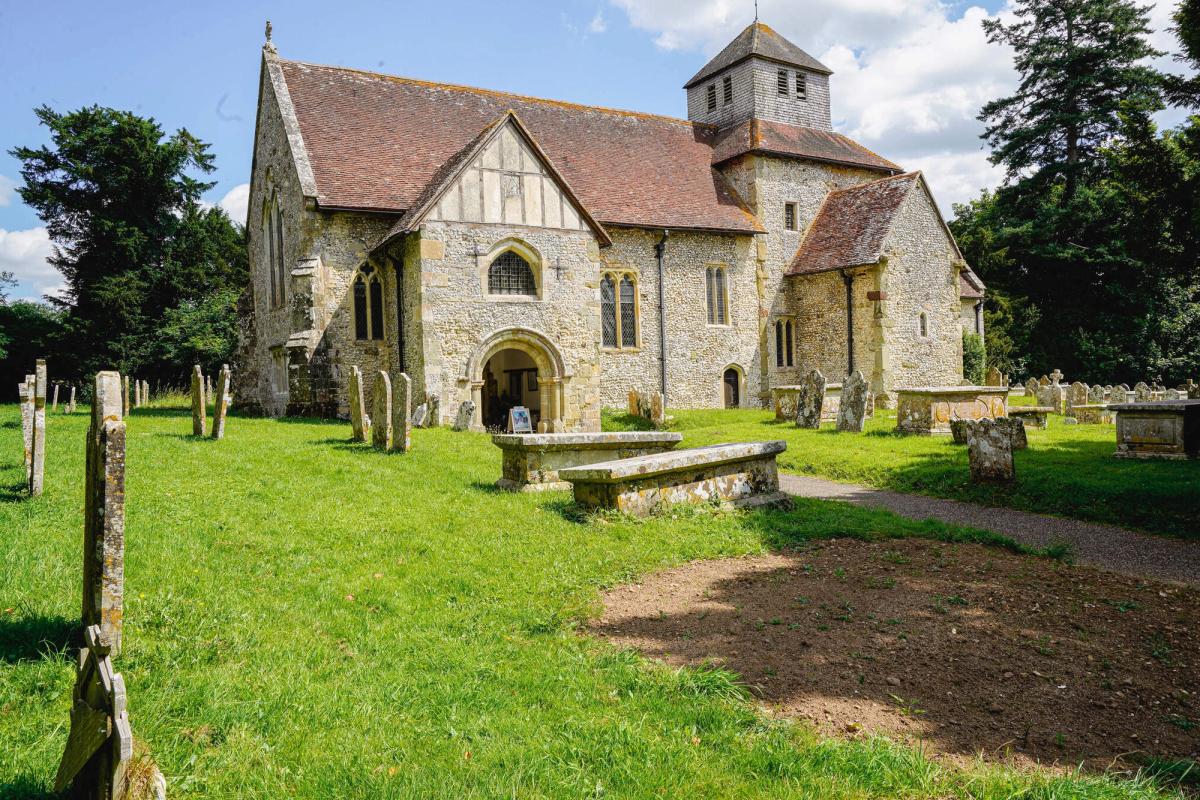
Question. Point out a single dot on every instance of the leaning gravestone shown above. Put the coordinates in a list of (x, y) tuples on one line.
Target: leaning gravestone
[(199, 411), (466, 412), (381, 430), (37, 459), (104, 511), (419, 414), (990, 451), (401, 418), (220, 403), (810, 400), (658, 416), (360, 428), (852, 410)]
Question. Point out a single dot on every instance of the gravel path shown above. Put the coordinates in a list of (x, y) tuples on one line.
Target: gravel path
[(1105, 546)]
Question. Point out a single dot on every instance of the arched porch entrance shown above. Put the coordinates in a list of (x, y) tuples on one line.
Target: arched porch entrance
[(517, 366), (731, 387)]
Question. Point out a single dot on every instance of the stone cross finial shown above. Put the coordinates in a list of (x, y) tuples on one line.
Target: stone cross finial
[(1056, 377), (268, 30)]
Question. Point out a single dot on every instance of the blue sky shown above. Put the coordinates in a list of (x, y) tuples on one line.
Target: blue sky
[(909, 74)]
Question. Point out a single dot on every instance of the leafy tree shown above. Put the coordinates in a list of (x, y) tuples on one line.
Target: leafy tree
[(7, 281), (1079, 67), (201, 332), (122, 204), (33, 330), (1185, 91), (974, 358)]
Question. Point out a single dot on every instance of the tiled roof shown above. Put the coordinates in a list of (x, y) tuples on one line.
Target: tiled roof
[(762, 136), (851, 226), (969, 285), (376, 142), (758, 40)]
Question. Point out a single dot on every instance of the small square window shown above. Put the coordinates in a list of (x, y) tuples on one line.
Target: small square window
[(712, 96), (783, 81), (801, 86), (789, 216), (728, 89)]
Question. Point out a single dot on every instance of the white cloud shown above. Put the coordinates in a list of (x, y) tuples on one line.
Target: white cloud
[(909, 76), (7, 191), (598, 23), (235, 202), (24, 254)]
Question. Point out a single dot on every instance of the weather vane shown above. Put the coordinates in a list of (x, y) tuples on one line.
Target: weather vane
[(755, 17)]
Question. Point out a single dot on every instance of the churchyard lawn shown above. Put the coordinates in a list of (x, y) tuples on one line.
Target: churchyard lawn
[(1068, 470), (306, 617)]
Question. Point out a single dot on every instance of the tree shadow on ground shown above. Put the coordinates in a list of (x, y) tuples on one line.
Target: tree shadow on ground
[(14, 492), (26, 787), (36, 637), (969, 649)]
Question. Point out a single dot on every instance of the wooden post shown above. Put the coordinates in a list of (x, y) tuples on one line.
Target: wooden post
[(220, 402), (401, 413), (198, 405), (104, 511), (381, 422), (37, 459)]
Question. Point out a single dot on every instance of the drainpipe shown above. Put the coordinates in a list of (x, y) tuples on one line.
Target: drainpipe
[(848, 279), (660, 251), (979, 318)]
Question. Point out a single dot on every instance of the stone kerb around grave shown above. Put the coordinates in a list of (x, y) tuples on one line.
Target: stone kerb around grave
[(531, 462), (742, 474)]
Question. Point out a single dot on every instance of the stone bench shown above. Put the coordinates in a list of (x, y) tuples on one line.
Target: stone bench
[(743, 474), (532, 461), (1165, 429), (1031, 416)]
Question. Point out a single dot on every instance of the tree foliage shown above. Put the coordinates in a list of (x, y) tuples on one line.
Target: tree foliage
[(974, 358), (135, 245)]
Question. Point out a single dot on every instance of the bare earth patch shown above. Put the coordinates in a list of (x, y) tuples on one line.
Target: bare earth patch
[(968, 649)]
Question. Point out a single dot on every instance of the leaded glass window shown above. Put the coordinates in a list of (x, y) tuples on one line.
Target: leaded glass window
[(628, 313), (376, 292), (511, 274), (788, 339), (608, 311), (779, 343), (721, 313), (709, 302), (360, 308)]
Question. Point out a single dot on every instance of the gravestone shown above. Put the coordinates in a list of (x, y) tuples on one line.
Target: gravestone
[(26, 391), (220, 403), (852, 410), (657, 414), (1043, 381), (958, 430), (1056, 377), (104, 511), (208, 389), (359, 426), (54, 402), (146, 392), (1077, 394), (401, 419), (70, 407), (466, 412), (1142, 393), (994, 377), (1031, 388), (37, 459), (419, 414), (433, 411), (634, 403), (1096, 394), (1193, 390), (989, 450), (381, 416), (199, 410), (810, 400), (125, 394), (1171, 394)]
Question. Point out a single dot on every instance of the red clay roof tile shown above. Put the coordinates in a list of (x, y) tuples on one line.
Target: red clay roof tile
[(763, 136)]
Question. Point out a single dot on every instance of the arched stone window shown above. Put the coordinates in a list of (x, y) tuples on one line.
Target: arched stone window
[(510, 273), (716, 296), (272, 228), (784, 348), (619, 310), (367, 290)]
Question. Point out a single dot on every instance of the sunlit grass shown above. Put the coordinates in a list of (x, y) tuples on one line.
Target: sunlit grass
[(306, 617)]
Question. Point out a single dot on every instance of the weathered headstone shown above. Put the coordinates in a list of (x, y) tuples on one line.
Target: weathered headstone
[(810, 400), (1043, 381), (1193, 390), (26, 390), (990, 450), (419, 414), (401, 418), (433, 416), (634, 403), (199, 410), (1171, 394), (381, 430), (70, 409), (466, 412), (208, 389), (852, 410), (54, 402), (360, 428), (958, 430), (994, 377), (658, 415), (1096, 394), (1142, 393), (37, 460), (125, 394), (104, 511), (221, 403), (1031, 388), (1056, 377), (1077, 394)]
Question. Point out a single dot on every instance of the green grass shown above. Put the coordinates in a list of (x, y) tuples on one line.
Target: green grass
[(309, 618), (1068, 469)]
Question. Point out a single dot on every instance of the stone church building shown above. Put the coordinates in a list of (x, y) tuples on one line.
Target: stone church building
[(520, 251)]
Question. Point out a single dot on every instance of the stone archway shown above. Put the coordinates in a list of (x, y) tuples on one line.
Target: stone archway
[(552, 373)]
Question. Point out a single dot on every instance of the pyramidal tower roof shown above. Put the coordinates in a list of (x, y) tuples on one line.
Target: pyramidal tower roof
[(762, 41)]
